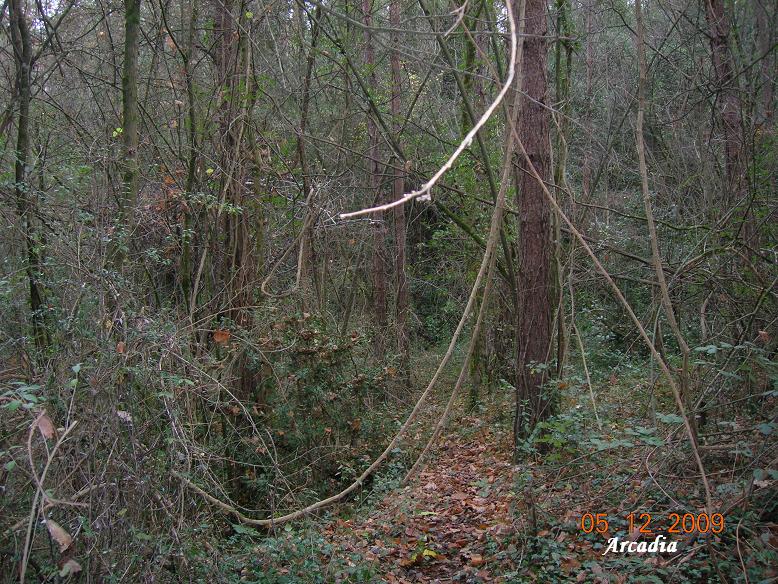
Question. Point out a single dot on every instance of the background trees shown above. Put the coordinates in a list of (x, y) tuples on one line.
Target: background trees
[(176, 276)]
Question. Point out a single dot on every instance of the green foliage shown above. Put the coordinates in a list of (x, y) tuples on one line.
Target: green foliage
[(559, 437)]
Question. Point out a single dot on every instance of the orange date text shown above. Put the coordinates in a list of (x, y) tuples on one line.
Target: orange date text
[(677, 523)]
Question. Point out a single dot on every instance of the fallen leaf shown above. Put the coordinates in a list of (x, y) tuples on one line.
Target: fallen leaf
[(221, 336), (59, 535), (570, 564), (46, 426), (634, 535), (69, 567), (476, 561)]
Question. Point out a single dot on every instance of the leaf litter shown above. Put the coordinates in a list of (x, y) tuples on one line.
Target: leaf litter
[(450, 524)]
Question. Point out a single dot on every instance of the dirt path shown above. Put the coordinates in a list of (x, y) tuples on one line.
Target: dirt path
[(450, 525)]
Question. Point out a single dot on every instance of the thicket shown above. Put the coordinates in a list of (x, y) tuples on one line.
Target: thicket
[(225, 326)]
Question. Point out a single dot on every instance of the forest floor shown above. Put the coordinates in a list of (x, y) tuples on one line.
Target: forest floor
[(450, 524), (472, 516)]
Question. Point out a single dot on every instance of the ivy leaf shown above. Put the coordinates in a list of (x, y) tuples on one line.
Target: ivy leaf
[(669, 418), (244, 530)]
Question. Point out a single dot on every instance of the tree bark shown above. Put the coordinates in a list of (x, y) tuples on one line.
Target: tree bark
[(563, 59), (130, 171), (765, 35), (534, 269), (398, 188), (243, 236), (309, 280), (378, 273), (187, 236), (730, 107), (23, 192)]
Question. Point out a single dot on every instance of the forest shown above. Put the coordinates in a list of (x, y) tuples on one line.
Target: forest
[(388, 291)]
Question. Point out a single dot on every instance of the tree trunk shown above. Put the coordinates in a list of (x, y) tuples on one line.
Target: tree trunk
[(130, 171), (191, 172), (398, 188), (23, 193), (589, 95), (728, 100), (242, 241), (378, 274), (469, 21), (765, 35), (563, 59), (308, 272), (534, 269)]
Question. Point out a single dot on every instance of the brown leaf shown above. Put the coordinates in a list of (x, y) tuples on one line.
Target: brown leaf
[(570, 564), (476, 560), (634, 535), (59, 535), (221, 336), (69, 567), (46, 426)]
